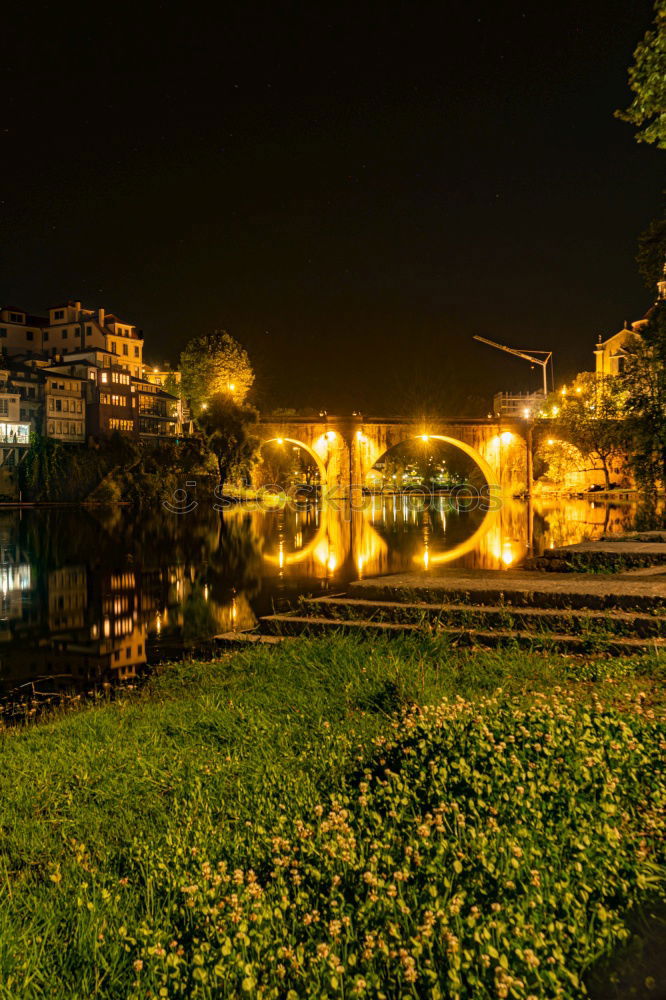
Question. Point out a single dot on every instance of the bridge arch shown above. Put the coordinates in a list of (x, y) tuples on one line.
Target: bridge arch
[(280, 439), (482, 464)]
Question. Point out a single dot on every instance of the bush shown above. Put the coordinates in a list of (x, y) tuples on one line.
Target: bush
[(483, 851)]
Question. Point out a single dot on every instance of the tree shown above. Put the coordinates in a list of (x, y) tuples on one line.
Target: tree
[(651, 255), (588, 415), (647, 79), (644, 383), (227, 427), (212, 364), (173, 385)]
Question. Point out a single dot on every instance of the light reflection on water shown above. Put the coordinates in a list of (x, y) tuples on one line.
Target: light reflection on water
[(88, 597)]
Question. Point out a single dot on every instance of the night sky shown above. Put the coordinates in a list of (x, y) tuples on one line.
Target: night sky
[(351, 190)]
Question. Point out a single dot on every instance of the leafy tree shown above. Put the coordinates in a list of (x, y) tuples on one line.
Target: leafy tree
[(652, 253), (647, 79), (213, 364), (589, 416), (228, 429), (173, 385), (644, 382)]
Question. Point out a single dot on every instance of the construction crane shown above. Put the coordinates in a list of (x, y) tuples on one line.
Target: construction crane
[(545, 359)]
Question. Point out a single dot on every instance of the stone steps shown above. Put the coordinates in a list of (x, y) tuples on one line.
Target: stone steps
[(292, 624), (605, 556), (519, 589), (584, 622), (575, 613)]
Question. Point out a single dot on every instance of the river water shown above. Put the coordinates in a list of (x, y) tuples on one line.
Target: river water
[(89, 597)]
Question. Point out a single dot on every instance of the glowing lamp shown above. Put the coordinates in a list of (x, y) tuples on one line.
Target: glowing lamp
[(230, 386), (526, 413), (330, 435), (204, 406), (280, 440), (550, 441), (506, 437), (424, 437)]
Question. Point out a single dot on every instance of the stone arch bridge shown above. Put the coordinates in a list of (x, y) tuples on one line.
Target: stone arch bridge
[(346, 448)]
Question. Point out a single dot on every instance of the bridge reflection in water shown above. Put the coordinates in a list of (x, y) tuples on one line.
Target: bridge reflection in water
[(394, 534), (87, 598)]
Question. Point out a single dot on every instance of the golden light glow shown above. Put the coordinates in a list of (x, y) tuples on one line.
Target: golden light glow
[(424, 437), (555, 410), (526, 413), (280, 440), (507, 553), (550, 441), (330, 435), (506, 437), (231, 386), (204, 406), (360, 435), (563, 391), (332, 563), (155, 370), (578, 389)]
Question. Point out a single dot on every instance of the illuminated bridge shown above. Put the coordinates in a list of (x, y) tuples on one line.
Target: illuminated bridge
[(345, 449)]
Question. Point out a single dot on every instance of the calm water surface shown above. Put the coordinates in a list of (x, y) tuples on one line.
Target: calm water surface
[(90, 596)]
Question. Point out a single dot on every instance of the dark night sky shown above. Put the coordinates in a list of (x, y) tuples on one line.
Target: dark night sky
[(351, 190)]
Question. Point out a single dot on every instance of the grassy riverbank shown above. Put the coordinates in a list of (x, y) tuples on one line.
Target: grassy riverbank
[(293, 823)]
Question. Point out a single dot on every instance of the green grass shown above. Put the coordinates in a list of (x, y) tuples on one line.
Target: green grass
[(295, 823)]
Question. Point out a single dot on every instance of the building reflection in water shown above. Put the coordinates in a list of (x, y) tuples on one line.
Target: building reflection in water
[(88, 598)]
